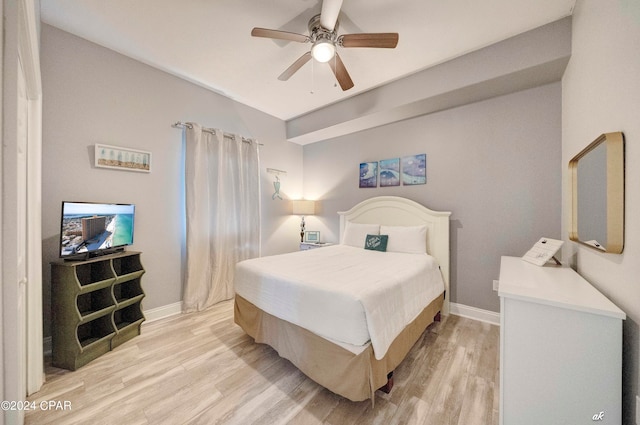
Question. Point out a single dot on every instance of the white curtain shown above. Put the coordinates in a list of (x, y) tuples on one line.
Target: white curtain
[(222, 189)]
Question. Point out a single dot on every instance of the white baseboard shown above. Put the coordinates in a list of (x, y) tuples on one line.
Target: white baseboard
[(161, 312), (475, 313), (150, 316)]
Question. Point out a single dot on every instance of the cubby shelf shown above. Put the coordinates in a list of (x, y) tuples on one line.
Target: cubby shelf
[(96, 306)]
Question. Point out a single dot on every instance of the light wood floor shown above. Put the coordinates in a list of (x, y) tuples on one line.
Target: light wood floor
[(203, 369)]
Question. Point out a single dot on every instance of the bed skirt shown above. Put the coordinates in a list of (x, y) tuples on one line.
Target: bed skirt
[(354, 376)]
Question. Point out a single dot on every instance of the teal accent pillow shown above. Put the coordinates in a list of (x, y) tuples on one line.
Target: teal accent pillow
[(376, 242)]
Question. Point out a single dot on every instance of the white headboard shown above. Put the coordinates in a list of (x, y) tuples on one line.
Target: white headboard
[(397, 211)]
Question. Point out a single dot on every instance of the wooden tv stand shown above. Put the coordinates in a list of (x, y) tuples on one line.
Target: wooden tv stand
[(96, 306)]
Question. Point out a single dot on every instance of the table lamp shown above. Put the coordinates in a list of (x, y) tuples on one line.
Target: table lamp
[(303, 207)]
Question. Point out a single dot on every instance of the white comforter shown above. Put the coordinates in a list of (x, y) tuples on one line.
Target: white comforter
[(350, 295)]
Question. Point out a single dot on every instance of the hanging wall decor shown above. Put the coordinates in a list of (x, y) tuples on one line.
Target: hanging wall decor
[(122, 158), (414, 169), (410, 170), (390, 172), (369, 174), (276, 183)]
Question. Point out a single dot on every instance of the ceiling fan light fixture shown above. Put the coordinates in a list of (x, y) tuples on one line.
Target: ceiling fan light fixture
[(323, 50)]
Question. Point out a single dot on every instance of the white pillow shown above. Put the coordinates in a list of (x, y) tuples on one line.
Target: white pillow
[(409, 239), (356, 233)]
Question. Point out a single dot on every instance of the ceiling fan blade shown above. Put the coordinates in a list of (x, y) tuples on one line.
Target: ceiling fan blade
[(388, 40), (279, 35), (341, 73), (329, 13), (295, 67)]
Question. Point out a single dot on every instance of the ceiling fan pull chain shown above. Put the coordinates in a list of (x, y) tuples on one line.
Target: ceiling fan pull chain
[(335, 83), (312, 75)]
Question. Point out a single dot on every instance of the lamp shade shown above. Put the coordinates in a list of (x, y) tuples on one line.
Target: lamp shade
[(304, 207)]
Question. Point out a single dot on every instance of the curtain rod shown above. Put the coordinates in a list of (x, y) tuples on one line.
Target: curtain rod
[(180, 124)]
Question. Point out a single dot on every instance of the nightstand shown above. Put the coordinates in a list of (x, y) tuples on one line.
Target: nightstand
[(305, 246)]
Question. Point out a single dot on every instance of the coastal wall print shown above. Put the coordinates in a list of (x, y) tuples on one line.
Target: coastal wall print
[(410, 170), (414, 169), (122, 158), (369, 174), (390, 172)]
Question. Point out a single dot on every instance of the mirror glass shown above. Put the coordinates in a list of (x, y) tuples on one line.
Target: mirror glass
[(598, 194), (592, 197)]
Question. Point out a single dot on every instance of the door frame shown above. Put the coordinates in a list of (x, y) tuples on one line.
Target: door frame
[(22, 352), (29, 53)]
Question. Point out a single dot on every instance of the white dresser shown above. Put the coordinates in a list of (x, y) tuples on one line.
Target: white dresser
[(560, 348)]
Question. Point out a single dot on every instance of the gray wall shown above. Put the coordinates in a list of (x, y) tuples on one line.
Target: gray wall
[(494, 164), (601, 94), (94, 95)]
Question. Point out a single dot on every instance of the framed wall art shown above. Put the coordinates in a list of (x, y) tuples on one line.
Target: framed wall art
[(369, 174), (122, 158), (414, 169), (390, 172)]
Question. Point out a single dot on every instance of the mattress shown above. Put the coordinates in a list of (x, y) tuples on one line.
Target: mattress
[(346, 294)]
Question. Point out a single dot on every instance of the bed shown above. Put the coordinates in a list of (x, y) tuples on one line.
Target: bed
[(344, 315)]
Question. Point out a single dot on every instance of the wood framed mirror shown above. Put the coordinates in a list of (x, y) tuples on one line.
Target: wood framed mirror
[(597, 191)]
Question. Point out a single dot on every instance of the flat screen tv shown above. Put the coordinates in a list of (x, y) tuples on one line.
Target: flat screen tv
[(90, 229)]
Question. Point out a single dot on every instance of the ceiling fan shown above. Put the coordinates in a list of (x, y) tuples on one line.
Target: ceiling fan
[(323, 34)]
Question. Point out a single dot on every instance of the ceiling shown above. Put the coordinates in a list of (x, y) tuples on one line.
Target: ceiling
[(208, 42)]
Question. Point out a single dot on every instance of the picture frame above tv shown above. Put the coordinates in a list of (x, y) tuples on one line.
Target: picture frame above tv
[(89, 229), (118, 158)]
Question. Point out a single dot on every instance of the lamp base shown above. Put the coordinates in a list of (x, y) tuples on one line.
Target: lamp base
[(301, 237)]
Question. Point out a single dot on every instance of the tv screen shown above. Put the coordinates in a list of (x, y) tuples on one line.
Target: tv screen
[(90, 229)]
